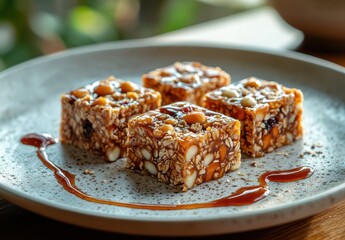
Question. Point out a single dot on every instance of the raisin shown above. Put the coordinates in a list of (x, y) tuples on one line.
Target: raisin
[(87, 129), (171, 110), (187, 109), (133, 141), (176, 111), (72, 99), (270, 123)]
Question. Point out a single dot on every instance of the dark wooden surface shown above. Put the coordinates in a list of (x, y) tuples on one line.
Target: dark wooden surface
[(17, 223)]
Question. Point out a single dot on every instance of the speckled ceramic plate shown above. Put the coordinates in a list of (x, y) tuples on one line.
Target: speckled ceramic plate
[(30, 102)]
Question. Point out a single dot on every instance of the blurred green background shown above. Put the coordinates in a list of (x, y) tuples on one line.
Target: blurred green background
[(30, 28)]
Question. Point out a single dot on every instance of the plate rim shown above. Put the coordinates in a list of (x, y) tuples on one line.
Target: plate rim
[(145, 43), (337, 192)]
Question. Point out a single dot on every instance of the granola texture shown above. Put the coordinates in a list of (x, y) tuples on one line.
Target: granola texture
[(185, 81), (95, 117), (183, 144), (270, 114)]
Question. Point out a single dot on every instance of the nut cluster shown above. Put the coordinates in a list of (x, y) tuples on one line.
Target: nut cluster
[(183, 74), (181, 117), (111, 91), (185, 81), (250, 93)]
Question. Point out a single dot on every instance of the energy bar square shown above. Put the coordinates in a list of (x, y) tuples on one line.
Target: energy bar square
[(183, 144), (185, 81), (270, 114), (95, 117)]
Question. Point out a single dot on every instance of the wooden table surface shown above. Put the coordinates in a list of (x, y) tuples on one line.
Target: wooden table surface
[(17, 223)]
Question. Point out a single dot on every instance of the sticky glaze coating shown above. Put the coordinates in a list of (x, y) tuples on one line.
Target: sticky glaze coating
[(270, 114), (184, 144), (185, 81), (242, 196), (95, 117)]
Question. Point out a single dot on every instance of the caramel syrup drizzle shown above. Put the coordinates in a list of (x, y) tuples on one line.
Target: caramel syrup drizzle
[(242, 196)]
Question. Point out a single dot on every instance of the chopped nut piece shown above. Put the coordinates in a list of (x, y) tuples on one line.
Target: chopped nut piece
[(104, 88), (146, 154), (252, 82), (80, 93), (195, 117), (231, 93), (132, 95), (145, 120), (208, 159), (127, 87), (150, 168), (101, 101), (190, 180), (236, 166), (87, 171), (191, 152), (113, 154), (166, 127), (171, 121), (248, 102)]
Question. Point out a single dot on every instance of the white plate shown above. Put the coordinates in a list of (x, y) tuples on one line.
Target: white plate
[(29, 97)]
